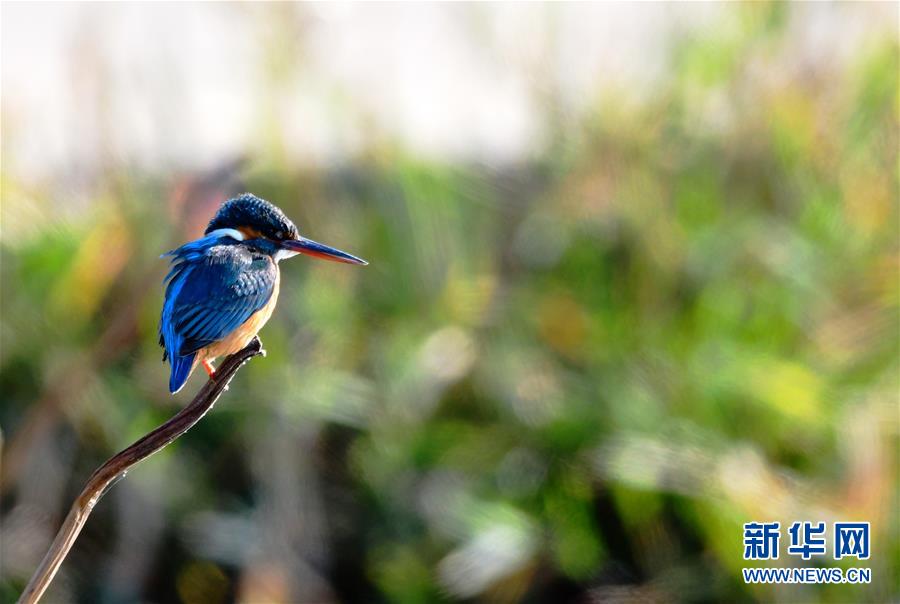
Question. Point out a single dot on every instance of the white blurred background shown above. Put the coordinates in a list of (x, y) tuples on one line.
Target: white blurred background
[(162, 85)]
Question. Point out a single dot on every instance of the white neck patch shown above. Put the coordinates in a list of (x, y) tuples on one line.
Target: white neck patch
[(282, 254), (233, 233)]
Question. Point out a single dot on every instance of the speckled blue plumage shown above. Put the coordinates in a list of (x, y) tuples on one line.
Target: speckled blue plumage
[(251, 211), (215, 285)]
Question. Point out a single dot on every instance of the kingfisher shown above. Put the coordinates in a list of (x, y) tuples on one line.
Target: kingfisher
[(223, 287)]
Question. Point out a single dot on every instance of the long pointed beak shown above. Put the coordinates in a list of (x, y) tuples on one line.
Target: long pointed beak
[(320, 250)]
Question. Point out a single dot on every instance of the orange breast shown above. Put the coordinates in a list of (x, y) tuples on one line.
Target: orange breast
[(241, 336)]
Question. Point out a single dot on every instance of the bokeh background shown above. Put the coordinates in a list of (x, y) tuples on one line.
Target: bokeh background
[(633, 283)]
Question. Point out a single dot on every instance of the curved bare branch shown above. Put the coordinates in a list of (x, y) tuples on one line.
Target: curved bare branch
[(116, 467)]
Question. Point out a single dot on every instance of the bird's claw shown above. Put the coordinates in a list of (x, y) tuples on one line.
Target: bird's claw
[(210, 370)]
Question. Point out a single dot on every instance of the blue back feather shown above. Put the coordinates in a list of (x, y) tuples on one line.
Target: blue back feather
[(215, 285), (181, 370)]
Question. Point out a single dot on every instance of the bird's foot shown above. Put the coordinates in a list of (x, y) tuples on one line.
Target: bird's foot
[(210, 370)]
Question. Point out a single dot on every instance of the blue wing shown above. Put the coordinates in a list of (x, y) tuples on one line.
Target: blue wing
[(212, 290)]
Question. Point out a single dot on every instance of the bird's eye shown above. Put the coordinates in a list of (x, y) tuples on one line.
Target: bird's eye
[(279, 235)]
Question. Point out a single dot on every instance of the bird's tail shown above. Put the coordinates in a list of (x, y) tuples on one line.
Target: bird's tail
[(181, 369)]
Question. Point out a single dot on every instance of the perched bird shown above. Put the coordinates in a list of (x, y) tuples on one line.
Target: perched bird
[(223, 287)]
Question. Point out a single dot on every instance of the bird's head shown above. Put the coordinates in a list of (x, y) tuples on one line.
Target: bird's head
[(251, 219)]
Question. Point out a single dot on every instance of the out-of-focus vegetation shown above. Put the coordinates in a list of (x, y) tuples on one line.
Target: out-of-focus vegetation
[(572, 378)]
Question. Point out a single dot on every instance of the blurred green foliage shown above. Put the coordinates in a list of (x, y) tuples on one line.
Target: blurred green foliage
[(568, 379)]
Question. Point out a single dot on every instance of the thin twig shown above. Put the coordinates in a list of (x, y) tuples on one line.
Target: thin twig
[(116, 467)]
